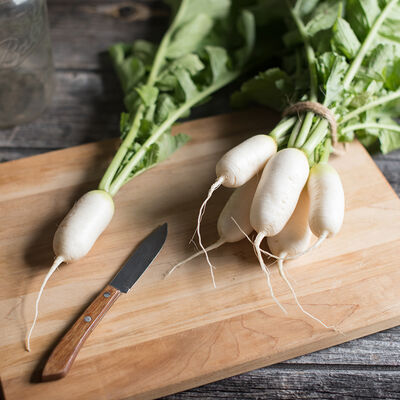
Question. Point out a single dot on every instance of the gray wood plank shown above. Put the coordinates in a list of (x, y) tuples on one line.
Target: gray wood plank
[(311, 382), (82, 30)]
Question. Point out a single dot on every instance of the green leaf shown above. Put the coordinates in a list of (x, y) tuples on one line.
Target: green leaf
[(391, 75), (160, 151), (148, 94), (165, 106), (323, 17), (130, 70), (189, 36), (271, 88), (214, 8), (218, 59), (361, 15), (304, 7), (144, 50), (378, 59), (247, 29), (344, 40), (187, 87), (331, 69), (389, 140)]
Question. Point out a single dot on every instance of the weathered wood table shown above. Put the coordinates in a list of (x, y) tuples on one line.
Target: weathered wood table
[(86, 108)]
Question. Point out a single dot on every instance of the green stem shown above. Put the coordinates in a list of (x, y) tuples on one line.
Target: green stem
[(316, 137), (123, 176), (295, 132), (305, 129), (326, 152), (368, 106), (310, 55), (370, 125), (355, 65), (282, 128), (109, 176)]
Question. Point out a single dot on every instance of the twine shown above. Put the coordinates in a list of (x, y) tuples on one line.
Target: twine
[(316, 108)]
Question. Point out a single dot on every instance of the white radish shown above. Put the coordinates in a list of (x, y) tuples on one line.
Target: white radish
[(236, 213), (281, 183), (292, 240), (296, 235), (238, 166), (277, 194), (326, 202), (77, 233)]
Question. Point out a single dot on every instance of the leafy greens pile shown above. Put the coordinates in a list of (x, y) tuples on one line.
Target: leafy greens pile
[(208, 44), (344, 55)]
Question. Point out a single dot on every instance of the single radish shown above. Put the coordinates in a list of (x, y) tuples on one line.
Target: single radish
[(277, 194), (326, 202), (236, 213), (77, 233), (292, 240), (238, 166)]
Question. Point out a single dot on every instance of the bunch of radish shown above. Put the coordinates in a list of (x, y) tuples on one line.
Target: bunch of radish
[(286, 204)]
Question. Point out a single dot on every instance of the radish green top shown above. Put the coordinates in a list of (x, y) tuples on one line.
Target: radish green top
[(344, 55), (208, 44)]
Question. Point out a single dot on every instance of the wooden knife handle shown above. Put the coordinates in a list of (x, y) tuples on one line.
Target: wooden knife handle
[(63, 355)]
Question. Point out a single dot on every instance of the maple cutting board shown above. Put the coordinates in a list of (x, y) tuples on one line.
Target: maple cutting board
[(171, 334)]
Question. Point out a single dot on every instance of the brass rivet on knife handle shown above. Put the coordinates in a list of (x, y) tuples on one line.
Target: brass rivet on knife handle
[(64, 354)]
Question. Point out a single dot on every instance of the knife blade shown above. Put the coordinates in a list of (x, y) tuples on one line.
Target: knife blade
[(64, 354)]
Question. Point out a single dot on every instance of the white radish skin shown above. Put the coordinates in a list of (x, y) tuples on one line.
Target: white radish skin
[(235, 214), (326, 201), (296, 235), (281, 183), (82, 226), (77, 233), (242, 162)]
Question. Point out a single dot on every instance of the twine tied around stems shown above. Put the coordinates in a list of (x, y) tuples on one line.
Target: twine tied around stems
[(318, 109)]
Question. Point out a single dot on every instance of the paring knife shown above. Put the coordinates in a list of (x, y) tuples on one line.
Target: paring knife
[(64, 354)]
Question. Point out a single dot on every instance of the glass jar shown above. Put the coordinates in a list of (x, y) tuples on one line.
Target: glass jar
[(26, 67)]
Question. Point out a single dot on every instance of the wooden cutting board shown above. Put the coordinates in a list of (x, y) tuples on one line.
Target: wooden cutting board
[(171, 334)]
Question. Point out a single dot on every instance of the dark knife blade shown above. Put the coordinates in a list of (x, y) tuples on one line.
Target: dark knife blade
[(141, 258)]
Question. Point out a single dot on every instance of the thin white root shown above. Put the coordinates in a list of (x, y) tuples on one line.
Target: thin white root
[(219, 181), (311, 248), (59, 260), (257, 243), (213, 188), (248, 238), (213, 246), (283, 275)]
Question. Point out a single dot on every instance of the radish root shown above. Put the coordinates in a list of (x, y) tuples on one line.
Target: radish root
[(219, 181), (283, 275), (257, 243), (213, 188), (59, 260), (213, 246)]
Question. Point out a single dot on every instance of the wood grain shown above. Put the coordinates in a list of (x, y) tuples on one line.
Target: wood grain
[(64, 354), (169, 335)]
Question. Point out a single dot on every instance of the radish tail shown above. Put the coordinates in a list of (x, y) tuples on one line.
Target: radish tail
[(283, 275), (213, 188), (257, 243), (219, 181), (213, 246), (59, 260), (311, 248)]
